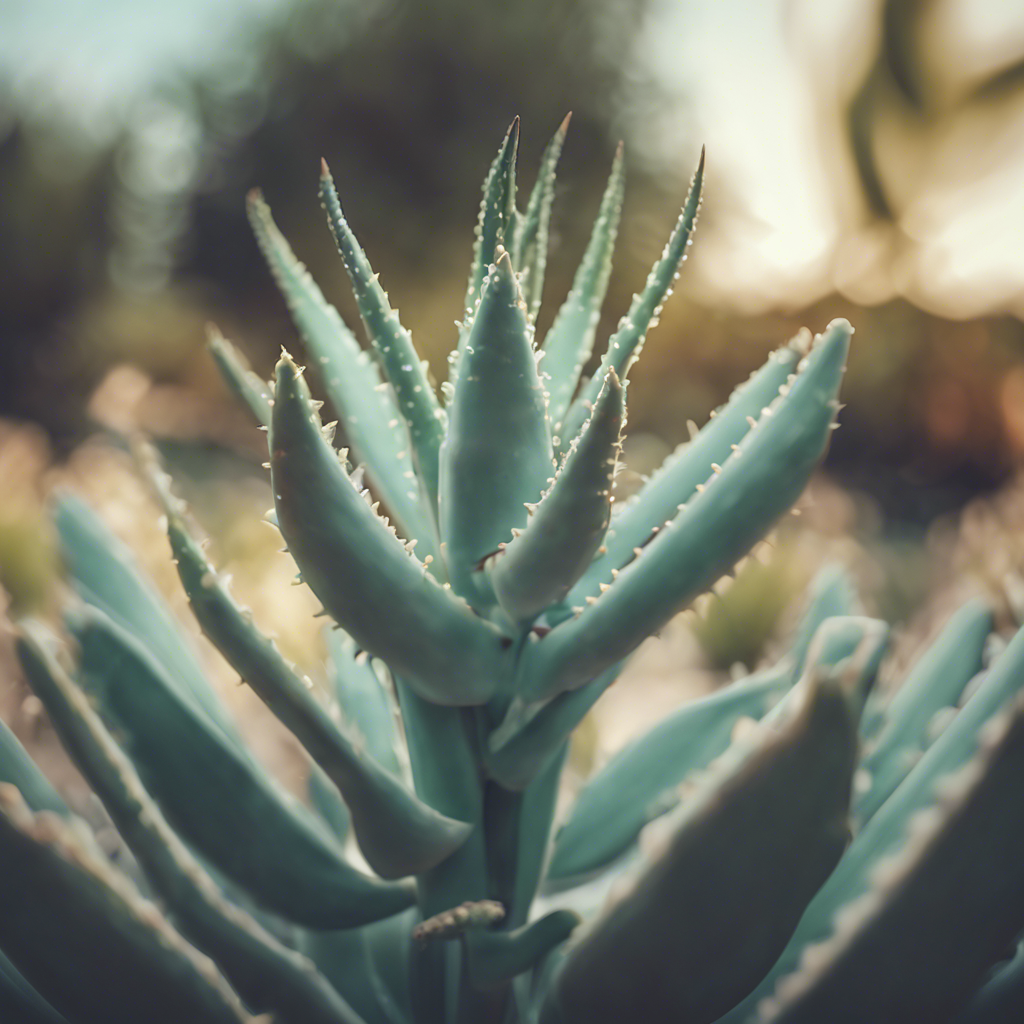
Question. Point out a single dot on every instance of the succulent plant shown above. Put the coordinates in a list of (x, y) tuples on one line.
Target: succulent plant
[(712, 857)]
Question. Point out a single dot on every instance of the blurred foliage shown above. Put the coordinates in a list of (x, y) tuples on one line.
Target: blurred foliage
[(899, 83), (735, 625), (407, 101)]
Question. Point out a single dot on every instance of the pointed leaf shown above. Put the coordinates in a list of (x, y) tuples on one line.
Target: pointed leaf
[(936, 681), (87, 942), (538, 568), (704, 922), (831, 594), (249, 388), (677, 480), (376, 589), (492, 222), (227, 809), (397, 834), (625, 344), (530, 241), (414, 393), (759, 481), (368, 409), (17, 768), (497, 454), (917, 946), (570, 340), (267, 974), (883, 833), (105, 574), (632, 789), (363, 701)]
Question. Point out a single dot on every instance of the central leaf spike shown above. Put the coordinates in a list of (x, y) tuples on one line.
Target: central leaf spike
[(497, 454)]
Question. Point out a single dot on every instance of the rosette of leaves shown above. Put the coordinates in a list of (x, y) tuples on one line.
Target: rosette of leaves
[(492, 606)]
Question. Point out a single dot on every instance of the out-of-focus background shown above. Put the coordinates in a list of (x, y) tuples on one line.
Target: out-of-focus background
[(865, 159)]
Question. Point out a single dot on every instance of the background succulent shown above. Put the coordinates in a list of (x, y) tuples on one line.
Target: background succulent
[(495, 611)]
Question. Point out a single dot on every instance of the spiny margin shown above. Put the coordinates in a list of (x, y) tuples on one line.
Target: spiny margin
[(492, 222), (625, 344), (85, 939), (529, 246), (675, 482), (414, 393), (570, 339), (899, 953), (758, 483), (368, 408), (540, 565), (367, 580), (248, 387), (228, 808), (497, 454), (706, 919), (885, 830), (398, 834), (269, 976)]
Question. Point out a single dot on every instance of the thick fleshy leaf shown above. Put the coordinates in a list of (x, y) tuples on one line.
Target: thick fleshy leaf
[(369, 582), (524, 746), (530, 239), (17, 768), (266, 974), (230, 811), (701, 925), (106, 576), (658, 502), (80, 934), (343, 957), (496, 206), (414, 393), (939, 916), (248, 387), (934, 683), (538, 567), (368, 409), (625, 344), (497, 454), (397, 834), (362, 700), (570, 339), (886, 830), (758, 482), (639, 783)]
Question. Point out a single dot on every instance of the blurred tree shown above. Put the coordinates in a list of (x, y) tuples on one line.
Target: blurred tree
[(406, 100)]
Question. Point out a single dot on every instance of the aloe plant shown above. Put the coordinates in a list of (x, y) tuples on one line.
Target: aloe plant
[(711, 859)]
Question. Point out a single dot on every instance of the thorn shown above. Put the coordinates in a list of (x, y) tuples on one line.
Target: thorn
[(605, 586), (591, 599)]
